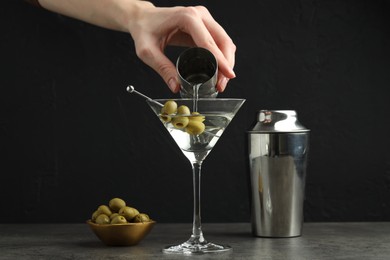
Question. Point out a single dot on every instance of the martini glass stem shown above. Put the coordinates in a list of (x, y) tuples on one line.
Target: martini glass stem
[(197, 235)]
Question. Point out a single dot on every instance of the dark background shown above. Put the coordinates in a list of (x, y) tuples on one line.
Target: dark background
[(71, 138)]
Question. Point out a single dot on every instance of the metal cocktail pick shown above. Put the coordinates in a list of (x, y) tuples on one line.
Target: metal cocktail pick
[(131, 89)]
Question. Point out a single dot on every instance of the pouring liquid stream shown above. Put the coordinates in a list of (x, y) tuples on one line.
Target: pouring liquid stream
[(196, 96), (197, 139)]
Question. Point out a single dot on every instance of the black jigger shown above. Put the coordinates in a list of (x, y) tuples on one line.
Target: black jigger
[(197, 69)]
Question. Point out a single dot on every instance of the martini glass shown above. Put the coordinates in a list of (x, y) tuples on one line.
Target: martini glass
[(214, 115)]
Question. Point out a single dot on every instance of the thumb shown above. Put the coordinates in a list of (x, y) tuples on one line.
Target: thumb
[(157, 60)]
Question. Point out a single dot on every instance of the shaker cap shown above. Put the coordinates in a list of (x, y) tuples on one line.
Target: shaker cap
[(277, 121)]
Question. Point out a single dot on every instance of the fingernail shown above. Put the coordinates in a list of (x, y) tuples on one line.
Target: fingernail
[(172, 84), (233, 73), (222, 83)]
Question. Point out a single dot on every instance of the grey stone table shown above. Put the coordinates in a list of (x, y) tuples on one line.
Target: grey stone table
[(319, 241)]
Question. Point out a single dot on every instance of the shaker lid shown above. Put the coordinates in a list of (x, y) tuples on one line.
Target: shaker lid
[(277, 121)]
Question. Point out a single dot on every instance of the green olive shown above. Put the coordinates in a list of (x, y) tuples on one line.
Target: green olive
[(103, 209), (169, 107), (95, 215), (113, 215), (140, 218), (119, 220), (116, 204), (165, 117), (196, 117), (102, 219), (128, 212), (180, 121), (183, 110), (195, 127)]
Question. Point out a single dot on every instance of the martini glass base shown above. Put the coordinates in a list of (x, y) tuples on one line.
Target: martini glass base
[(189, 248)]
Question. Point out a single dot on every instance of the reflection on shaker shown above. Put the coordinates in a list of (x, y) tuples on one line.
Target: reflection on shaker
[(260, 185)]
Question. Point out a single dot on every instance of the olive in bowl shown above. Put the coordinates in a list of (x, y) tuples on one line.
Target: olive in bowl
[(119, 224)]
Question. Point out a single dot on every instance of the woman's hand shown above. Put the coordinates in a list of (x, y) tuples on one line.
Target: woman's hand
[(154, 28)]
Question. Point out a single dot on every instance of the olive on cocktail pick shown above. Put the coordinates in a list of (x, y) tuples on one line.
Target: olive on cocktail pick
[(180, 121), (165, 117), (196, 117), (183, 110), (195, 127), (170, 107)]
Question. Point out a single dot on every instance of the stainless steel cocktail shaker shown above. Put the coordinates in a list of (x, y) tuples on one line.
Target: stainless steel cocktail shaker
[(197, 69), (278, 151)]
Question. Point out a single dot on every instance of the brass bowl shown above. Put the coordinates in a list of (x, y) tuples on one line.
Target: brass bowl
[(127, 234)]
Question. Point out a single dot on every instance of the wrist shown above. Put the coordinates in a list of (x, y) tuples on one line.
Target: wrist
[(132, 13)]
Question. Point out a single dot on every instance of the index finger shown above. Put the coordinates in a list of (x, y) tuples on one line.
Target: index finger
[(193, 24), (221, 38)]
